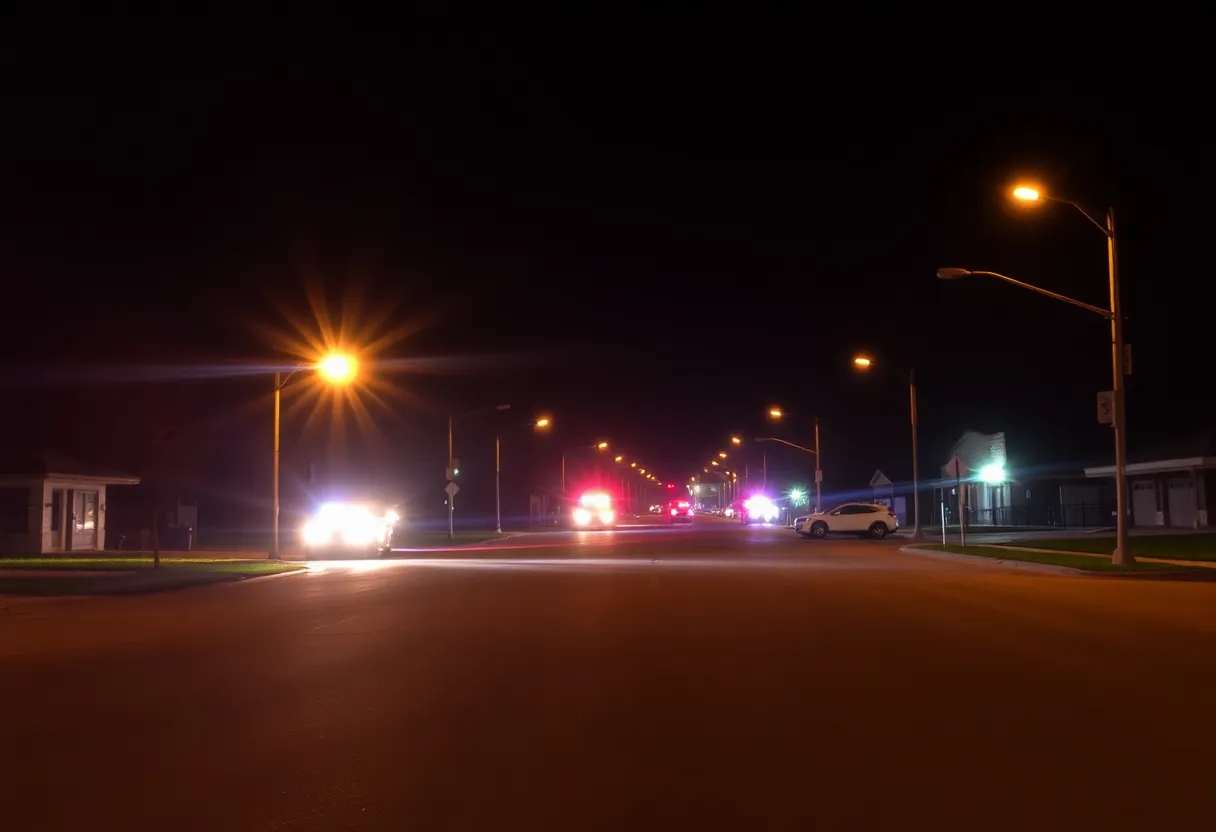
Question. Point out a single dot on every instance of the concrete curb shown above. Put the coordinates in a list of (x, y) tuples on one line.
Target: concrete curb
[(303, 570), (1044, 568)]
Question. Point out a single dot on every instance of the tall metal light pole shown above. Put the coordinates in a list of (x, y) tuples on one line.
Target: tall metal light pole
[(864, 362), (336, 368), (540, 424), (777, 414), (1122, 554), (498, 481), (452, 461), (805, 450)]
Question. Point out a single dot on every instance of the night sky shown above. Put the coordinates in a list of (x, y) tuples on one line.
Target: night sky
[(651, 237)]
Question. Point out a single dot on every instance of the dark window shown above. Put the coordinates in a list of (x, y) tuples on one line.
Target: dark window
[(56, 509), (14, 510)]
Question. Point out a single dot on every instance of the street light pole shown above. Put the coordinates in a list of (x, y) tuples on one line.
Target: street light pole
[(864, 362), (275, 554), (336, 368), (1122, 554), (563, 474), (497, 481), (451, 473), (917, 534), (818, 471)]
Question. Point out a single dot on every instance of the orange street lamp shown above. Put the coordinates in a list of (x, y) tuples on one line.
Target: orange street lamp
[(337, 368), (544, 422)]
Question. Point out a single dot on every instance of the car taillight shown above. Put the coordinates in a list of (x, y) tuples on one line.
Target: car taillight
[(674, 512)]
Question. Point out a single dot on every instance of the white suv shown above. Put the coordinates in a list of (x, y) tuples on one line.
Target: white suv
[(871, 519)]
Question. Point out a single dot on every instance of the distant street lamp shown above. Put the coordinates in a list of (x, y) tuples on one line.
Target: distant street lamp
[(863, 362), (337, 369)]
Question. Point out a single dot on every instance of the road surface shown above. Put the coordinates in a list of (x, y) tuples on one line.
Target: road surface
[(713, 678)]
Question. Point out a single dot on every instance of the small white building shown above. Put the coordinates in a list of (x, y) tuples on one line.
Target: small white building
[(50, 503)]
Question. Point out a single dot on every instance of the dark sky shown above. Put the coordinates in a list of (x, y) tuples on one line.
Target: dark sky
[(652, 234)]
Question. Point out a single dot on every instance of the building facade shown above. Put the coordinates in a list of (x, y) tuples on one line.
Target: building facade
[(1170, 483), (52, 504)]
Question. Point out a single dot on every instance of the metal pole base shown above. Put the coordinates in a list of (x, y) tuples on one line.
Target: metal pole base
[(275, 555), (917, 534), (1120, 557)]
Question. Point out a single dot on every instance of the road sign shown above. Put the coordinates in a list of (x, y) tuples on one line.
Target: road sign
[(452, 488), (1127, 359), (1106, 408), (956, 468), (818, 475)]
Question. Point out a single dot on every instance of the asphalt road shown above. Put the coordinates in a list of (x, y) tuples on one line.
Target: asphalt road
[(713, 678)]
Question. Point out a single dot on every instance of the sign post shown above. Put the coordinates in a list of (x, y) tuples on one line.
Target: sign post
[(1106, 408), (958, 470), (451, 490)]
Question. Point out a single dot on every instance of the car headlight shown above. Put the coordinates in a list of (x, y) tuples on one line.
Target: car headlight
[(581, 516), (315, 534), (607, 516)]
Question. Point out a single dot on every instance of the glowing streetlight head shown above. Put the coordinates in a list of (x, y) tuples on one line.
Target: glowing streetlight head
[(734, 440), (1025, 193), (775, 413), (603, 446), (337, 368), (633, 465), (713, 462), (993, 474), (642, 471), (721, 454), (863, 362), (619, 459), (543, 422)]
